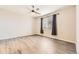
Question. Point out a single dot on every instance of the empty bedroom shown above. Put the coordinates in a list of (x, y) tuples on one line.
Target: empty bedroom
[(37, 29)]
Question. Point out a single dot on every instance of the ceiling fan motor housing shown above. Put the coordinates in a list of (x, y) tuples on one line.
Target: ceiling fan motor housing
[(33, 11)]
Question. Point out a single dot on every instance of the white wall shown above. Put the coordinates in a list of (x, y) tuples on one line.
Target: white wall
[(14, 25), (77, 29), (65, 25)]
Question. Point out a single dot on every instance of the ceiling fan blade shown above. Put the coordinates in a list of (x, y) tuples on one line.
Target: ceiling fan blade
[(37, 9), (28, 8), (32, 6), (37, 12)]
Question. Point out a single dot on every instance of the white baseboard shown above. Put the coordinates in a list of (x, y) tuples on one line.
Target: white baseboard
[(10, 37), (57, 38)]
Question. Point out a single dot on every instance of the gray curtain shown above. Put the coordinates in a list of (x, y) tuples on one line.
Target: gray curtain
[(41, 28), (54, 25)]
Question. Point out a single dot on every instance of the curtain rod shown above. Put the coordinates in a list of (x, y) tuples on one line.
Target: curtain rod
[(45, 16)]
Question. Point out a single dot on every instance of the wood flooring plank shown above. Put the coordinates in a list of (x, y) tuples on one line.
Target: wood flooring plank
[(36, 45)]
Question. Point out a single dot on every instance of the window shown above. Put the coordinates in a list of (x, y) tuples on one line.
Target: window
[(47, 23)]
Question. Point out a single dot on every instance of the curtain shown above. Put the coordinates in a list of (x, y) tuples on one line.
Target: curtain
[(54, 25), (41, 29)]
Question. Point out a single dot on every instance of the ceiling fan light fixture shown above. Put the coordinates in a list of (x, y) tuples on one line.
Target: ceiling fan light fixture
[(34, 10)]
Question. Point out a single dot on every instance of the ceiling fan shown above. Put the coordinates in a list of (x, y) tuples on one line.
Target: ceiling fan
[(34, 10)]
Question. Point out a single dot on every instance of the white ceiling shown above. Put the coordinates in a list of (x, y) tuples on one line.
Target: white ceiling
[(23, 9)]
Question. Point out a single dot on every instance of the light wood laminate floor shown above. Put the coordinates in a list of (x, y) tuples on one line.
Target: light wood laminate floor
[(34, 45)]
